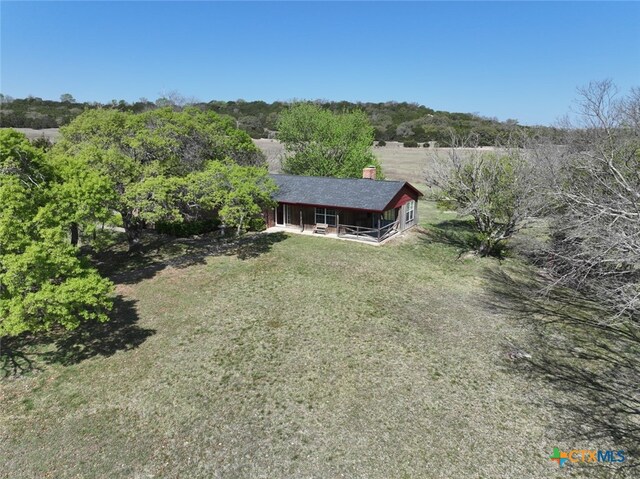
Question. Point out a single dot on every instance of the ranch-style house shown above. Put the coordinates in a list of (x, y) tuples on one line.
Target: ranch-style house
[(364, 209)]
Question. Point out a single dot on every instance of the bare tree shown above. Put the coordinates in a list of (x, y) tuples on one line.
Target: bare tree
[(175, 99), (496, 188), (596, 193), (587, 322)]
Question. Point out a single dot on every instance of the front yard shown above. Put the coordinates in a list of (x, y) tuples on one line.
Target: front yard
[(292, 357)]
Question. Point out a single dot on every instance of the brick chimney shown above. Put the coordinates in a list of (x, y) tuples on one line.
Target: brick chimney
[(369, 173)]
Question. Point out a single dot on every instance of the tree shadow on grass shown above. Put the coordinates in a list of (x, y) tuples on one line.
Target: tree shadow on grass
[(458, 233), (592, 362), (15, 360), (121, 333), (28, 353), (160, 252)]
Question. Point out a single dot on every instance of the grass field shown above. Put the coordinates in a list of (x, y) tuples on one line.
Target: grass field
[(50, 133), (398, 163), (285, 356)]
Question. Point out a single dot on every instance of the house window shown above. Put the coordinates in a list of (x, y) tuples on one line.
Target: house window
[(389, 215), (325, 216), (410, 212)]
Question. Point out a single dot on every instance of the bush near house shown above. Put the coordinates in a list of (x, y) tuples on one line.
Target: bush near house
[(185, 229)]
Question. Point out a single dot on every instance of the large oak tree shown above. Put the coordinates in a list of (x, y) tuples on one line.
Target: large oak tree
[(142, 160), (43, 280)]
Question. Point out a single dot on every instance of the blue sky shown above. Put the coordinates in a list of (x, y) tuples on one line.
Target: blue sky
[(506, 59)]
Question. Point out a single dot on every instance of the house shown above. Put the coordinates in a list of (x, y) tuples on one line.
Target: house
[(353, 208)]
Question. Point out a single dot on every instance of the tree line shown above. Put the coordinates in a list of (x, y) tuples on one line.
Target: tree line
[(583, 300), (391, 121)]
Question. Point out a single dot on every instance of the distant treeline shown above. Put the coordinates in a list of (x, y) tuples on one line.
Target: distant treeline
[(393, 121)]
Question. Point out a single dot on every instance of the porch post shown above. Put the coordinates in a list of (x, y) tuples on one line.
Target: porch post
[(378, 228), (301, 223), (337, 223)]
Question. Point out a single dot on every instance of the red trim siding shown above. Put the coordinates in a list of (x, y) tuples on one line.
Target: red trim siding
[(403, 196), (412, 188)]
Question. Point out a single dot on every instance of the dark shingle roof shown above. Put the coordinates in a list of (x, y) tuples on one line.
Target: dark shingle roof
[(353, 193)]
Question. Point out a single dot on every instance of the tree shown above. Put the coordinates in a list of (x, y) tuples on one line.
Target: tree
[(405, 130), (595, 192), (252, 125), (138, 159), (238, 193), (67, 98), (321, 143), (496, 189), (43, 281), (85, 197)]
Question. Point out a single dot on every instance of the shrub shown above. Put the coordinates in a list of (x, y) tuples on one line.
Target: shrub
[(382, 143), (410, 144), (42, 142), (257, 224), (187, 228)]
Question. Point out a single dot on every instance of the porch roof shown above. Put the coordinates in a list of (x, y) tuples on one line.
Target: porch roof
[(350, 193)]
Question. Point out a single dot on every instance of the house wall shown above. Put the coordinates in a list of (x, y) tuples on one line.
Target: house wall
[(404, 196), (403, 224), (303, 216), (269, 217), (309, 218)]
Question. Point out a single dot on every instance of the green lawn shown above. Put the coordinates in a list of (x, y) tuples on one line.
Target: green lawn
[(291, 357)]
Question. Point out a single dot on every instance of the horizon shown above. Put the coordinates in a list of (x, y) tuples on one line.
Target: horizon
[(521, 61)]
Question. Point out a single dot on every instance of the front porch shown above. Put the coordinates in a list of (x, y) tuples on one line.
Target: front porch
[(355, 225), (363, 233), (362, 238)]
